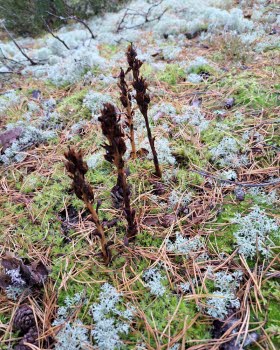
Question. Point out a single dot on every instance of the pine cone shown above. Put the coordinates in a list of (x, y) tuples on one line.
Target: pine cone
[(30, 337), (24, 319)]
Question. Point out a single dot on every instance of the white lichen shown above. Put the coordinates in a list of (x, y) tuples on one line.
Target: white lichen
[(110, 320), (255, 232), (154, 281)]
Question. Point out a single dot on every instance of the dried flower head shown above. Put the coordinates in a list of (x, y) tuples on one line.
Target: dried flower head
[(125, 97), (111, 128), (131, 55), (77, 169), (142, 98), (115, 150)]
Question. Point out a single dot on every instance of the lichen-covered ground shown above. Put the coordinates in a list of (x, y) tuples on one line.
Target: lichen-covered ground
[(203, 272)]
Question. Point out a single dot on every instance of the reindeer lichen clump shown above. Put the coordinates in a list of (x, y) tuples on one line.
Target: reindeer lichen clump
[(115, 150), (77, 169), (142, 97)]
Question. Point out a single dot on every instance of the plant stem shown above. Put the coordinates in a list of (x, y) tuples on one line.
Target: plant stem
[(158, 172), (103, 242), (131, 231), (131, 129)]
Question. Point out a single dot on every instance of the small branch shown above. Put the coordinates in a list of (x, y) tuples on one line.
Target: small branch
[(4, 58), (133, 13), (55, 36), (12, 72), (77, 19), (33, 63), (236, 183)]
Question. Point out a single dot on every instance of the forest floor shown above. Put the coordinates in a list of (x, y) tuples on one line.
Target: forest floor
[(203, 271)]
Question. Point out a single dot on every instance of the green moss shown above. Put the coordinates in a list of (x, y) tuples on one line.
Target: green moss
[(224, 240), (271, 294), (147, 71), (72, 106), (107, 50), (159, 311), (193, 178), (145, 239), (253, 95), (212, 135), (32, 182), (172, 74), (140, 164), (101, 175), (248, 90), (203, 68), (50, 199), (186, 154)]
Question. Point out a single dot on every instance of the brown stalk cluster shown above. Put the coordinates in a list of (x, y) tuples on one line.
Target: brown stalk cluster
[(142, 97), (77, 169), (115, 150)]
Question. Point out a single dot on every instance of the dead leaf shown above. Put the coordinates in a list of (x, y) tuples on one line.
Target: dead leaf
[(8, 137), (32, 274), (168, 220), (5, 281), (142, 153), (39, 272), (9, 262), (151, 221), (159, 188), (36, 94)]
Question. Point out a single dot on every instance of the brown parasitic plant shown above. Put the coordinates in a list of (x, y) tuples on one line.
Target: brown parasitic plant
[(77, 169), (125, 98), (142, 98), (115, 150)]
